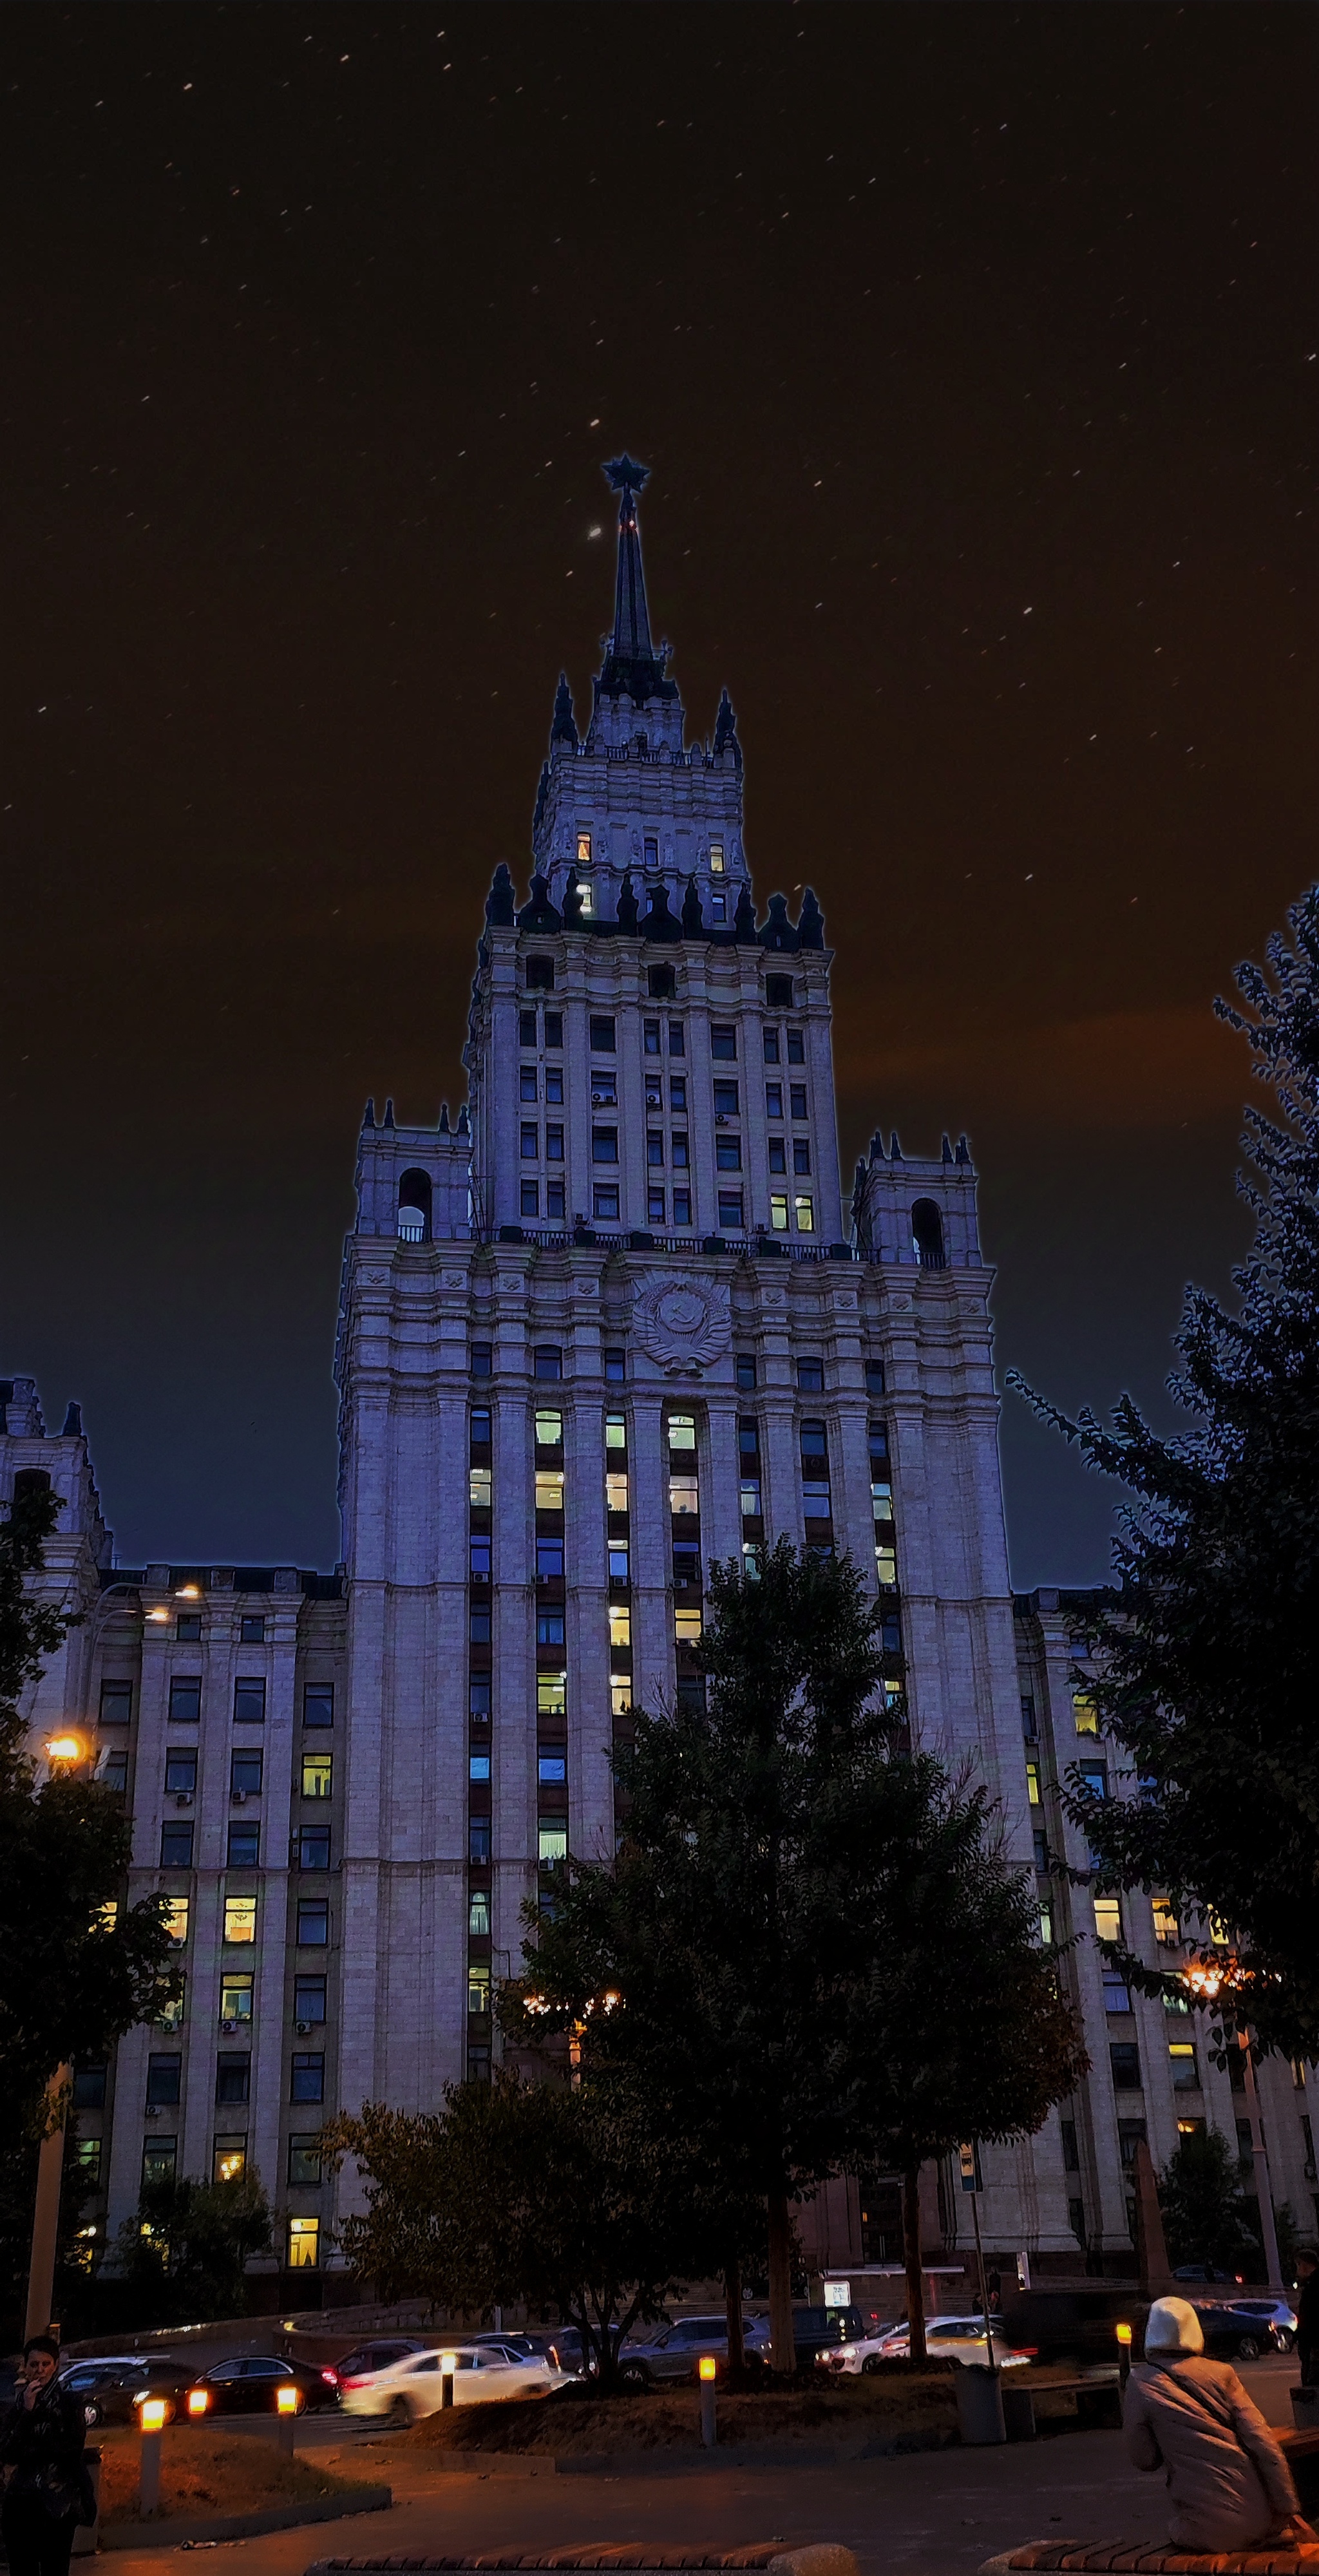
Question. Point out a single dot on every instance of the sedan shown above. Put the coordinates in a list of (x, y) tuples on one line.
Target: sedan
[(250, 2385), (946, 2338), (1236, 2330), (1277, 2314), (113, 2386), (482, 2374), (373, 2355)]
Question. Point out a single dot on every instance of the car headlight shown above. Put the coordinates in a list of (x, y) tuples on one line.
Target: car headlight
[(847, 2352)]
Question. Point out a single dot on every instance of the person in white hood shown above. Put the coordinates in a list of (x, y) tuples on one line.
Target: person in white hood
[(1229, 2483)]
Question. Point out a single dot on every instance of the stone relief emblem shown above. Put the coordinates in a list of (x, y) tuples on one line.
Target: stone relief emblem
[(683, 1323)]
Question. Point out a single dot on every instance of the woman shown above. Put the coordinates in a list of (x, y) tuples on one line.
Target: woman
[(1229, 2483), (47, 2490)]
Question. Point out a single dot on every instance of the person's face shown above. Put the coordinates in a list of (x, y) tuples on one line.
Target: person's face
[(40, 2368)]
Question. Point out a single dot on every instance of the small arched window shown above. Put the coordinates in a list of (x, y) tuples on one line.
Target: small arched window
[(414, 1207), (927, 1235), (30, 1480)]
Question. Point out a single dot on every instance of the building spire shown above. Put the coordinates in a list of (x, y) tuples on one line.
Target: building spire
[(631, 637)]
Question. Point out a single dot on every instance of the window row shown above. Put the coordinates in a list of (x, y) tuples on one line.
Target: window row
[(240, 1916), (787, 1212), (237, 1988), (233, 2077), (309, 1846), (547, 1362), (246, 1770), (1183, 2066), (228, 2164), (658, 1037), (185, 1700)]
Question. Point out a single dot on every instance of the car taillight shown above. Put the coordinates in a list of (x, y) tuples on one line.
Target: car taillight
[(199, 2400), (1028, 2351), (353, 2383), (331, 2378)]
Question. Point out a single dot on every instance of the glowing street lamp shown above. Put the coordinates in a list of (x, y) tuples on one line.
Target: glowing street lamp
[(62, 1750)]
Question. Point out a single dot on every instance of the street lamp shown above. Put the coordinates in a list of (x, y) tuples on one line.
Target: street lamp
[(706, 2369)]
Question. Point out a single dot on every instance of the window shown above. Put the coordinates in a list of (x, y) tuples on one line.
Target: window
[(549, 1361), (526, 1028), (620, 1624), (549, 1427), (482, 1359), (311, 1847), (313, 1923), (180, 1772), (604, 1144), (549, 1627), (728, 1153), (797, 1092), (730, 1211), (478, 1914), (478, 2059), (1167, 1928), (552, 1768), (185, 1698), (478, 1767), (615, 1431), (805, 1214), (160, 2158), (778, 1212), (554, 1088), (723, 1043), (682, 1205), (478, 1838), (810, 1376), (1116, 1997), (176, 1919), (549, 1560), (164, 2079), (1124, 2058), (796, 1048), (725, 1099), (677, 1043), (660, 982), (553, 1029), (236, 1994), (527, 1083), (618, 1565), (318, 1704), (602, 1037), (615, 1367), (655, 1145), (117, 1703), (1033, 1783), (250, 1701), (1071, 2154), (89, 2088), (744, 1368), (188, 1626), (304, 2159), (650, 1037), (686, 1626), (479, 1490), (770, 1041), (801, 1156), (176, 1846), (1094, 1777), (1182, 2066), (682, 1431), (552, 1841), (678, 1093), (604, 1203), (718, 907), (530, 1142), (650, 850), (528, 1198), (549, 1489), (308, 2076), (251, 1629), (478, 1559), (540, 979), (1130, 2135), (1108, 1918), (554, 1197), (1040, 1846), (309, 1998), (479, 1696), (716, 858), (240, 1918), (554, 1144), (245, 1773), (478, 1990), (244, 1846), (317, 1771), (551, 1694), (678, 1149), (1085, 1713), (87, 2160), (778, 1155), (778, 992)]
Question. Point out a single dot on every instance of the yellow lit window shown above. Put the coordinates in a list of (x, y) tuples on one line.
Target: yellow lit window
[(684, 1494), (478, 1488), (805, 1215), (549, 1489), (236, 1996), (1166, 1926), (886, 1563), (620, 1624), (304, 2244), (620, 1694), (229, 2163), (1108, 1918), (551, 1694), (686, 1626), (176, 1919), (1033, 1783), (170, 2015), (1085, 1713), (615, 1431), (240, 1918), (716, 858), (317, 1769), (478, 1989), (549, 1429), (616, 1493), (583, 849), (778, 1212), (551, 1841)]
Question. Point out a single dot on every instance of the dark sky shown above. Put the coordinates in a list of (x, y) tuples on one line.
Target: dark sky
[(974, 351)]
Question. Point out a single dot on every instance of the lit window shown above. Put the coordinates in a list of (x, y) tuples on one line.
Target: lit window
[(881, 1501), (229, 2160), (1108, 1918), (478, 1766), (304, 2244), (778, 1212), (478, 1989), (240, 1918), (805, 1209), (551, 1694), (549, 1489), (886, 1565), (620, 1624), (479, 1488), (1085, 1712), (682, 1431), (620, 1694), (317, 1769), (583, 849), (478, 1914), (1167, 1929), (584, 897), (684, 1495), (549, 1427), (1033, 1783), (618, 1567), (236, 1995), (615, 1492), (686, 1626), (176, 1919), (1181, 2060), (552, 1841), (716, 858), (615, 1431)]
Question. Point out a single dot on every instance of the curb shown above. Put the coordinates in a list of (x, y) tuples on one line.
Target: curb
[(171, 2529)]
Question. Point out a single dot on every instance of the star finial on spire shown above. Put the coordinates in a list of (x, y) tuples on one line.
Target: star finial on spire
[(623, 474)]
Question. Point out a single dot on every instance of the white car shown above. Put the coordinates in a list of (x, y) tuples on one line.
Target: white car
[(950, 2338), (405, 2390)]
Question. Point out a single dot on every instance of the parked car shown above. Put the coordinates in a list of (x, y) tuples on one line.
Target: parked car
[(483, 2373), (1235, 2330), (668, 2352), (113, 2385), (250, 2385), (375, 2354), (946, 2339), (1277, 2313), (561, 2345)]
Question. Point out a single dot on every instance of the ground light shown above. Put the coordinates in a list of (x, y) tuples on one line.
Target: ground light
[(151, 2419), (448, 2365), (286, 2406), (706, 2368), (199, 2401), (1123, 2355)]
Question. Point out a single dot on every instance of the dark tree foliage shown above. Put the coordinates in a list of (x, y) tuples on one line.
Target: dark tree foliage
[(73, 1977), (1208, 1654), (554, 2195), (182, 2254), (808, 1953), (1208, 2215)]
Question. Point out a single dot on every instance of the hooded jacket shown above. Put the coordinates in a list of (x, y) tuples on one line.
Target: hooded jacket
[(1226, 2476)]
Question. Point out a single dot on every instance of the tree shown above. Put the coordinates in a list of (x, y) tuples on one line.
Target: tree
[(1207, 1655), (542, 2192), (747, 1963), (1206, 2210), (184, 2250)]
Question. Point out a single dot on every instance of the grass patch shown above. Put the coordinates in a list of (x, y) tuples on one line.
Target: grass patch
[(883, 2408), (204, 2473)]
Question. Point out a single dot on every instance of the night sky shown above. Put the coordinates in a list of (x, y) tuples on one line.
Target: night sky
[(974, 353)]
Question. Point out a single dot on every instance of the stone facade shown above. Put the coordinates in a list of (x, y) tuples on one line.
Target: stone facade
[(609, 1326)]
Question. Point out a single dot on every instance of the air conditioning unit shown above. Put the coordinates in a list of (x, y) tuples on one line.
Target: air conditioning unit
[(303, 2029), (229, 2027), (721, 1118), (183, 1797), (152, 2111), (238, 1797)]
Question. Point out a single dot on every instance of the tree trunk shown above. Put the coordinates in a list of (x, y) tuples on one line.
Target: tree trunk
[(783, 2351), (911, 2255), (733, 2310)]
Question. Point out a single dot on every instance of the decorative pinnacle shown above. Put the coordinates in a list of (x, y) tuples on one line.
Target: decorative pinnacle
[(623, 474)]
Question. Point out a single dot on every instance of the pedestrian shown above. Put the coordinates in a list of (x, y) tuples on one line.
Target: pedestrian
[(47, 2490), (1307, 2316), (1229, 2483)]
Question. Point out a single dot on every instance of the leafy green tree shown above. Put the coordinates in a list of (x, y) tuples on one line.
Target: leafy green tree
[(182, 2253), (1207, 1656), (795, 1957), (543, 2192), (1207, 2211)]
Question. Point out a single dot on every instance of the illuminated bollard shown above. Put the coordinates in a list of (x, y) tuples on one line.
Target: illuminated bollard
[(151, 2418), (199, 2404), (448, 2365), (706, 2368), (1123, 2355), (286, 2405)]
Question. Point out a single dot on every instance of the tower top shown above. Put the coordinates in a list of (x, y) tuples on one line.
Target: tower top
[(632, 667)]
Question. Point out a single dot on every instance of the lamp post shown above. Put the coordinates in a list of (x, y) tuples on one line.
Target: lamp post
[(151, 2418), (63, 1752), (448, 2365), (286, 2408), (706, 2368), (1123, 2355)]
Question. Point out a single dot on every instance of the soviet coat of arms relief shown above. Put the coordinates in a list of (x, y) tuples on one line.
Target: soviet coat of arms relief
[(683, 1323)]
